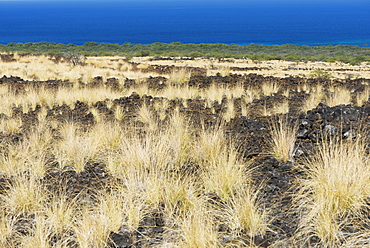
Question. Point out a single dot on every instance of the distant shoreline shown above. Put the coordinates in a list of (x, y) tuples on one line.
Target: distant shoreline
[(366, 43)]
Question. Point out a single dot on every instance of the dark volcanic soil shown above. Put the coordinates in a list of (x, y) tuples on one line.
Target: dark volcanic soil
[(250, 133)]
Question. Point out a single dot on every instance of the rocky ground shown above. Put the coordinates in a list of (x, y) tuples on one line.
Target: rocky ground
[(250, 133)]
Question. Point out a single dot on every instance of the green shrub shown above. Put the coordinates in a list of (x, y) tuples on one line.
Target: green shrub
[(320, 74)]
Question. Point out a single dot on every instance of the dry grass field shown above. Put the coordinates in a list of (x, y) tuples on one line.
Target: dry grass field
[(183, 153)]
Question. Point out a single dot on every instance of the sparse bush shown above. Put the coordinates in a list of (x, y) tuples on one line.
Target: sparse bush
[(320, 74), (74, 58)]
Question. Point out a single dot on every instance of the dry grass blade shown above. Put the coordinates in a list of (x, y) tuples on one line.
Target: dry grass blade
[(336, 189), (243, 214), (230, 110), (179, 196), (60, 213), (197, 229), (11, 125), (363, 97), (281, 108), (341, 95), (269, 88), (26, 196), (211, 143), (76, 147), (180, 76), (147, 116), (41, 234), (119, 113), (283, 138), (92, 229), (7, 224), (226, 175)]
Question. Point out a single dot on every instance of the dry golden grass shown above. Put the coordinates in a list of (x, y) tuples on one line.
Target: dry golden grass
[(250, 94), (119, 113), (12, 162), (178, 91), (269, 88), (281, 108), (212, 70), (338, 96), (26, 196), (230, 110), (210, 143), (96, 114), (243, 214), (7, 223), (212, 93), (276, 68), (92, 230), (146, 116), (89, 96), (134, 209), (224, 71), (180, 196), (362, 97), (336, 189), (10, 126), (75, 147), (42, 68), (120, 207), (164, 164), (244, 109), (60, 213), (315, 97), (46, 98), (215, 93), (108, 136), (179, 76), (283, 138), (198, 230), (226, 175), (146, 165), (40, 235), (8, 100)]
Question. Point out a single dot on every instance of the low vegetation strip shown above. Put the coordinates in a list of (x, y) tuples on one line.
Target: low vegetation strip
[(342, 53)]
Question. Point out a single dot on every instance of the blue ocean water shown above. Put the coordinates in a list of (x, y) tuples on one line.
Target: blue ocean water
[(146, 22)]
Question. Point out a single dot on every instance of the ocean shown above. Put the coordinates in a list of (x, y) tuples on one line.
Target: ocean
[(144, 22)]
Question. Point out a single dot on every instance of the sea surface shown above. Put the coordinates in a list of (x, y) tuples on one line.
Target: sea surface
[(146, 22)]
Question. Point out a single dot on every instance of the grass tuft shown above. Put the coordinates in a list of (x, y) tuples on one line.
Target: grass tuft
[(26, 196), (335, 190), (244, 215), (283, 138)]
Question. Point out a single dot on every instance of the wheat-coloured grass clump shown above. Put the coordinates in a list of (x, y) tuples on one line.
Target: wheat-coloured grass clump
[(269, 88), (315, 97), (334, 192), (283, 138), (338, 96)]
